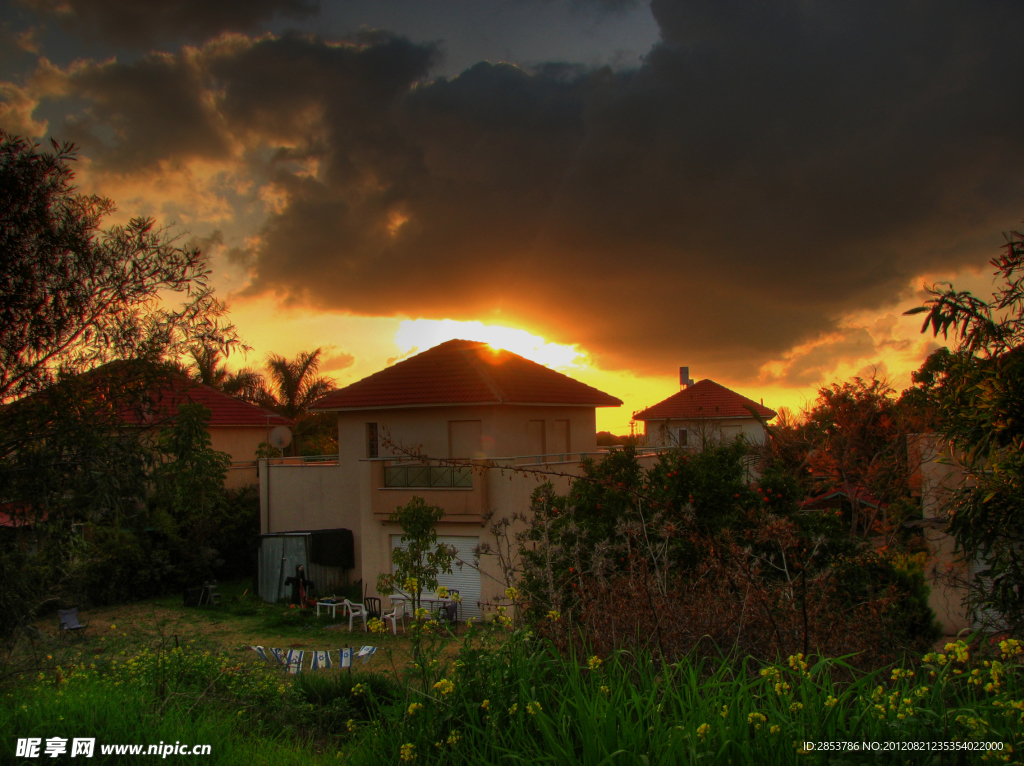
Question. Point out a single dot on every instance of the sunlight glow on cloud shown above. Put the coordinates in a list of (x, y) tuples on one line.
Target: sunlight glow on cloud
[(422, 334)]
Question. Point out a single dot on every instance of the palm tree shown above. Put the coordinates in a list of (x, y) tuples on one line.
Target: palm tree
[(293, 383), (292, 386), (206, 367)]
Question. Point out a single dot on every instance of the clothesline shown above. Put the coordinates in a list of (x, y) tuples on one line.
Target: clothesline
[(321, 660)]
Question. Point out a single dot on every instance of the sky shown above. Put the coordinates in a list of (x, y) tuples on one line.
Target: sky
[(755, 189)]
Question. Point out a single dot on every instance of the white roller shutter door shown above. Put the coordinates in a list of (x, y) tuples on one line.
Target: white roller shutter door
[(465, 576)]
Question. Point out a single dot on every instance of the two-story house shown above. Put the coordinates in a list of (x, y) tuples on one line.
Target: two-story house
[(702, 413), (415, 429)]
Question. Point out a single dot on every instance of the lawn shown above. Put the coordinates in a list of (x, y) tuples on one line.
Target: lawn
[(155, 672)]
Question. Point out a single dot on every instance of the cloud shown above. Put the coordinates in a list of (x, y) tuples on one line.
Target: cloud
[(811, 363), (771, 168), (17, 106), (138, 24), (336, 361)]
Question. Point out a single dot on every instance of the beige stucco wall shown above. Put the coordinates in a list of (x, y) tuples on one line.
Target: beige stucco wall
[(506, 493), (240, 442), (655, 431), (298, 497), (504, 429), (350, 494)]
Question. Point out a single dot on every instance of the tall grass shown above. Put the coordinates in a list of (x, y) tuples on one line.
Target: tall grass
[(524, 703), (176, 696)]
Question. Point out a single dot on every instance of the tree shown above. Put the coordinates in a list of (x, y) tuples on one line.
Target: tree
[(73, 296), (85, 329), (978, 391), (423, 558), (189, 485), (207, 367), (292, 386)]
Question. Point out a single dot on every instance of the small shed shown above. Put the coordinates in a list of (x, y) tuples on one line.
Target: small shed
[(328, 556)]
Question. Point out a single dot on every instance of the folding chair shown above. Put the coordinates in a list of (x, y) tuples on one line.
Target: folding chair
[(67, 622)]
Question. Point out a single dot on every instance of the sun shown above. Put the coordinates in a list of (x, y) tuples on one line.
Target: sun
[(421, 334)]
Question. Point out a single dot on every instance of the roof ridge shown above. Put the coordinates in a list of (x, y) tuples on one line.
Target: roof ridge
[(488, 380)]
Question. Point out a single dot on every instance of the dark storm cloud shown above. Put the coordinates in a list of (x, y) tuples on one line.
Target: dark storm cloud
[(132, 24), (153, 109), (770, 167)]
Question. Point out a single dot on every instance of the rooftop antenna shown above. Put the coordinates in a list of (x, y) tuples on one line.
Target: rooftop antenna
[(684, 378)]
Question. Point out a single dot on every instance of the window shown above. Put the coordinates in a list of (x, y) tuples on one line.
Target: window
[(683, 439), (371, 440)]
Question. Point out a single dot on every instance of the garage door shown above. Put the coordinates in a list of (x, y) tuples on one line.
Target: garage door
[(465, 576)]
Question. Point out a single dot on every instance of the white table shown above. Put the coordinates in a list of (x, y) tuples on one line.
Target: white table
[(332, 605)]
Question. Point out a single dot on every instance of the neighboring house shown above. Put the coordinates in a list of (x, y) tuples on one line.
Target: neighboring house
[(704, 413), (235, 427), (414, 429)]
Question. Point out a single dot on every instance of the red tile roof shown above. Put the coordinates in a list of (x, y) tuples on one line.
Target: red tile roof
[(464, 372), (703, 400), (225, 410)]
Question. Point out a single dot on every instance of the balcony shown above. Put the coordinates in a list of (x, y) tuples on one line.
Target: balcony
[(459, 490)]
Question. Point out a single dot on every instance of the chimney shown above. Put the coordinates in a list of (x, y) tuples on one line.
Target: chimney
[(684, 378)]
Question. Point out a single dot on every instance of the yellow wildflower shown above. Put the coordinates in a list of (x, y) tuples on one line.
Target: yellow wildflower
[(533, 708), (408, 752), (554, 616), (594, 663), (357, 690), (454, 737), (442, 592), (414, 708), (511, 594), (831, 701), (444, 686), (485, 705), (702, 730)]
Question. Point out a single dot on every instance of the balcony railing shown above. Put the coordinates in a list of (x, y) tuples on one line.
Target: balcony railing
[(400, 476)]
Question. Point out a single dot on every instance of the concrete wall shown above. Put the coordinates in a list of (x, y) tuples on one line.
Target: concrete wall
[(662, 433), (946, 572), (297, 497)]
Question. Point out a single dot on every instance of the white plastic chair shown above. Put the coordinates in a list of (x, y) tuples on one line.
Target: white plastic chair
[(397, 613), (355, 610)]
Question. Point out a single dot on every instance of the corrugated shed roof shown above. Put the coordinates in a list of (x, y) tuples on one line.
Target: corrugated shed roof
[(703, 400), (465, 372)]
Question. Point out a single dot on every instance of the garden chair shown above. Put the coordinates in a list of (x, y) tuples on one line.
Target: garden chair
[(397, 613), (372, 604), (67, 622), (355, 610)]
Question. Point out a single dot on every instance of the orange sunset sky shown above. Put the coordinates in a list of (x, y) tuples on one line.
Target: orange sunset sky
[(614, 188)]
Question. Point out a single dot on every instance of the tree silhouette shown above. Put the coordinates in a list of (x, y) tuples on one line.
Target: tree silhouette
[(290, 387)]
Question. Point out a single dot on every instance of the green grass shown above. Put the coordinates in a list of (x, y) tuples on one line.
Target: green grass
[(528, 704), (504, 697)]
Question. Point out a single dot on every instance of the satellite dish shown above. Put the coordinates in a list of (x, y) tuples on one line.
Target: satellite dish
[(280, 437)]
